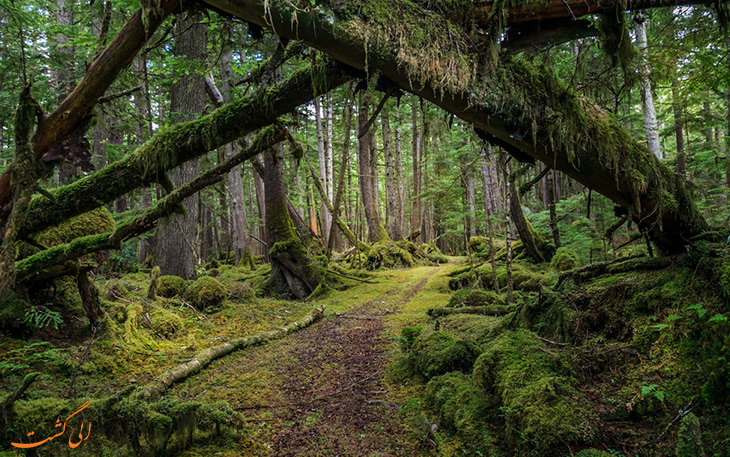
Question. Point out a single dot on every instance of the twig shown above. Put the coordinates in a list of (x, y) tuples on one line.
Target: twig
[(551, 341), (258, 239), (681, 414)]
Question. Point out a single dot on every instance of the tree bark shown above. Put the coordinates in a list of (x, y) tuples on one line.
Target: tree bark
[(416, 180), (175, 250), (647, 95), (533, 242), (392, 210), (510, 101), (376, 231), (487, 191), (326, 218), (344, 165)]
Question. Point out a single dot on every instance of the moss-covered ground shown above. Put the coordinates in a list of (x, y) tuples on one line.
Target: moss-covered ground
[(632, 361)]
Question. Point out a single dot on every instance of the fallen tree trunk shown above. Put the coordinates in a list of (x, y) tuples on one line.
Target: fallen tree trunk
[(513, 104), (638, 263), (153, 390), (483, 310), (178, 144), (102, 72)]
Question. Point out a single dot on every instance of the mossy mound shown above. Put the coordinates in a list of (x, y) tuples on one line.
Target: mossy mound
[(170, 286), (164, 322), (543, 411), (433, 353), (522, 278), (689, 437), (564, 259), (12, 310), (461, 408), (475, 297), (480, 246), (205, 293)]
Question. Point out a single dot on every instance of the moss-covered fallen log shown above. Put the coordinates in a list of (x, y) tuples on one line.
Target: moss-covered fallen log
[(483, 310), (594, 270), (514, 104), (175, 375), (180, 143), (36, 266)]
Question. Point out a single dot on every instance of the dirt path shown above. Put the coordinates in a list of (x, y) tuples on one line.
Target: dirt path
[(321, 392)]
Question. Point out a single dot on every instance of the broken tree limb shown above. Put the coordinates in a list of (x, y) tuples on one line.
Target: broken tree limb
[(102, 72), (511, 102), (153, 390), (32, 266), (484, 310), (178, 144)]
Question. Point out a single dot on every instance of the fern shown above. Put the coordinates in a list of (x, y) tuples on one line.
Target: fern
[(40, 317)]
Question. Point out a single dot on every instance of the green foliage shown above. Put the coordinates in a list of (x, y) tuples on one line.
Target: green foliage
[(206, 293), (41, 316), (564, 259), (170, 286)]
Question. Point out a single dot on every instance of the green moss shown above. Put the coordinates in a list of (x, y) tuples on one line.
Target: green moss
[(437, 353), (543, 410), (91, 223), (689, 437), (475, 297), (164, 322), (461, 409), (206, 293), (594, 453), (12, 310), (170, 286), (725, 278), (564, 259)]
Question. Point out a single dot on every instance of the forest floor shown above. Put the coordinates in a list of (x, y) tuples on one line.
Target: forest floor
[(324, 390)]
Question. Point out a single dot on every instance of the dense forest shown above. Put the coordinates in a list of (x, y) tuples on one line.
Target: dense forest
[(366, 227)]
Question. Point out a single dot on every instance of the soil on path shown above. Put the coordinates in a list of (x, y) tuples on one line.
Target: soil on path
[(321, 391)]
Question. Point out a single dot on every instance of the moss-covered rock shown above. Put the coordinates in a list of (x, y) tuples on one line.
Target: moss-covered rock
[(475, 297), (543, 410), (170, 286), (564, 259), (205, 293)]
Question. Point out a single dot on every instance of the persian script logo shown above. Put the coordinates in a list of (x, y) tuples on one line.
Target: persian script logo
[(71, 444)]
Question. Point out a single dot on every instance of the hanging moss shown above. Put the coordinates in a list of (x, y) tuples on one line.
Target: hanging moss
[(171, 286), (206, 293)]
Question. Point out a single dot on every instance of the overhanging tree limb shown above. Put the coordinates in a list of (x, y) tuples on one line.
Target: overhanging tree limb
[(99, 76), (29, 267), (521, 106), (178, 144)]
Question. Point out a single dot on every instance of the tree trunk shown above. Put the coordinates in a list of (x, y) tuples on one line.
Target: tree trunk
[(647, 94), (416, 180), (176, 236), (551, 206), (294, 274), (678, 127), (512, 103), (241, 236), (344, 165), (401, 216), (376, 231), (488, 210), (326, 221), (392, 211), (533, 242)]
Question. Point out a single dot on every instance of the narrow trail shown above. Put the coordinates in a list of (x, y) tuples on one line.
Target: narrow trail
[(321, 391)]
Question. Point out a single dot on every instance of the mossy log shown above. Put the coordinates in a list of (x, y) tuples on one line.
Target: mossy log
[(180, 143), (512, 103), (483, 310), (37, 266), (153, 390), (618, 266)]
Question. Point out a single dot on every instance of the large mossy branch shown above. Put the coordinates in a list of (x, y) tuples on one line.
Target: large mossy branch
[(180, 143), (37, 264), (513, 103)]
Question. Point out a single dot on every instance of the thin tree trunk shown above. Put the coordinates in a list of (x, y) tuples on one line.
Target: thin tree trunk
[(647, 96), (344, 165), (392, 211), (401, 216), (488, 210), (416, 180), (551, 207), (678, 125), (376, 231), (322, 164)]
